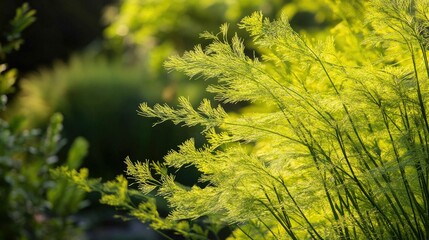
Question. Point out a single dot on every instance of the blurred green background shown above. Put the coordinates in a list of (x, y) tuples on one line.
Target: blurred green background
[(95, 61)]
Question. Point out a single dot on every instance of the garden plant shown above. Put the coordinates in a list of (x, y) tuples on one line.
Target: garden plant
[(33, 204), (334, 144)]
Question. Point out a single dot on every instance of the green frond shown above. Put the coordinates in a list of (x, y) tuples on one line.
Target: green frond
[(205, 115), (141, 173), (80, 178), (116, 192), (147, 212)]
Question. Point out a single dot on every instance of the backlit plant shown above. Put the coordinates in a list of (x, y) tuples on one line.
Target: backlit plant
[(333, 146)]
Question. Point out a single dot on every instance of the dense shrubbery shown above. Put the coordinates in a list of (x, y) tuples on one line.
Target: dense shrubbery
[(333, 147)]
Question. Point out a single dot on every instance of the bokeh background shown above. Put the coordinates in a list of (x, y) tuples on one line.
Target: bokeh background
[(96, 61)]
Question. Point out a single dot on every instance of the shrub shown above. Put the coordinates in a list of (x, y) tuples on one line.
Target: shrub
[(33, 205), (334, 145)]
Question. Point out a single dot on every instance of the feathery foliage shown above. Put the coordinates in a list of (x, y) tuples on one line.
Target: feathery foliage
[(334, 146)]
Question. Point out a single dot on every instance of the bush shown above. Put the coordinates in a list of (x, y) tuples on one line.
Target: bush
[(34, 205)]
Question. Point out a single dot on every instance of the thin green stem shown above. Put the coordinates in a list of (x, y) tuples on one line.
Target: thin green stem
[(267, 227), (299, 209), (367, 195), (415, 229)]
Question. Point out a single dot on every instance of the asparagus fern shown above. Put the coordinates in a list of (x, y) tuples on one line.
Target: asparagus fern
[(334, 145)]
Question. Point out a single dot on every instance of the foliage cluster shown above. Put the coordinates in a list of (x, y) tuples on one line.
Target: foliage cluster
[(334, 146), (33, 204)]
